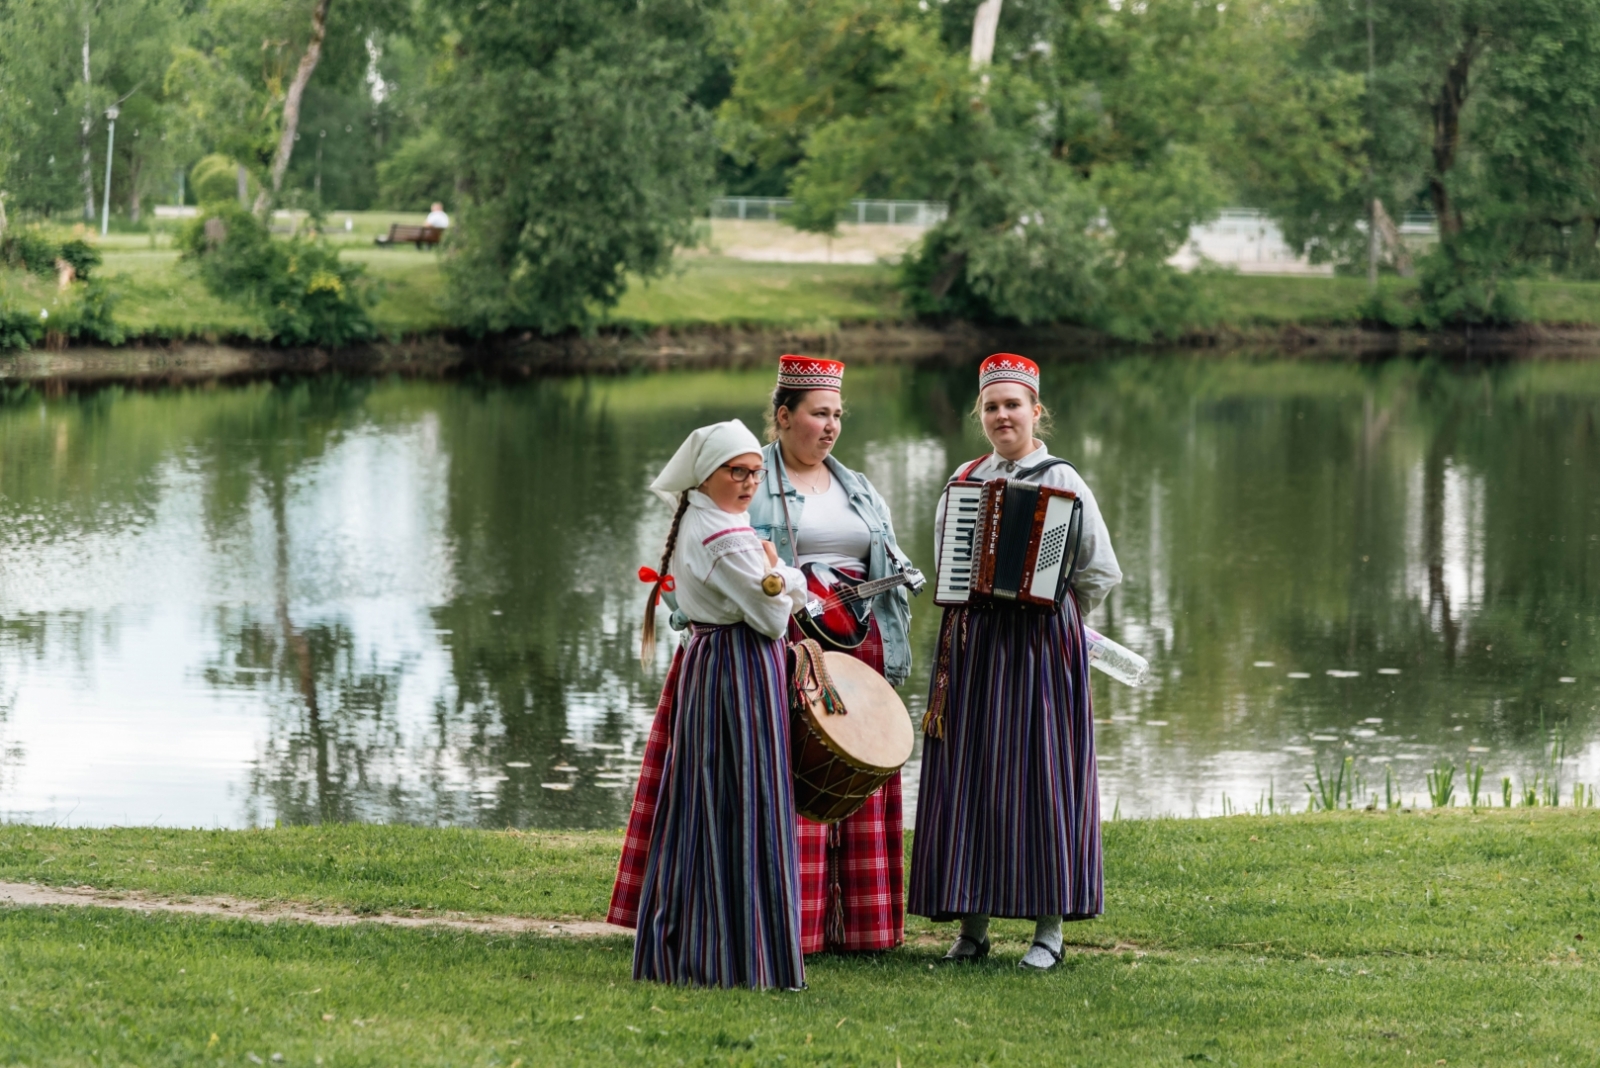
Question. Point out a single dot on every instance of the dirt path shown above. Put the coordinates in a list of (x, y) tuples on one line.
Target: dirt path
[(14, 894)]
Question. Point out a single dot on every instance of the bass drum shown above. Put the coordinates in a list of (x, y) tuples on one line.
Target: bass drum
[(851, 732)]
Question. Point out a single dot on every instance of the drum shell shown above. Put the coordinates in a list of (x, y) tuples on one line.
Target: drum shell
[(830, 781), (829, 785)]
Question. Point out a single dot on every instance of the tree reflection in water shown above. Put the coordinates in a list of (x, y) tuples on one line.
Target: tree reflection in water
[(414, 601)]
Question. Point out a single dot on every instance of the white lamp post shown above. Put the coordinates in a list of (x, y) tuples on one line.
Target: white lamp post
[(111, 140)]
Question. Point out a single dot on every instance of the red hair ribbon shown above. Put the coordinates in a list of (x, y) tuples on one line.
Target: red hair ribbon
[(648, 574)]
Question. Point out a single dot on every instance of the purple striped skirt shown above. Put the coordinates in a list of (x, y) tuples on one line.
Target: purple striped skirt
[(720, 901), (1008, 813)]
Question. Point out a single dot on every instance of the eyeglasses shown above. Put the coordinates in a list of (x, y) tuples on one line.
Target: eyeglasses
[(745, 474)]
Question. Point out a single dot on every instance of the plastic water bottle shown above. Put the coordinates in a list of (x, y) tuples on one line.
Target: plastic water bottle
[(1118, 661)]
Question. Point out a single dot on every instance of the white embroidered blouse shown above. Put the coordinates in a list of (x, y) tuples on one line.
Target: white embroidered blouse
[(1098, 572), (718, 565)]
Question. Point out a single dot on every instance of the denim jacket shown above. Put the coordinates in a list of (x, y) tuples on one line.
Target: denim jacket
[(892, 609)]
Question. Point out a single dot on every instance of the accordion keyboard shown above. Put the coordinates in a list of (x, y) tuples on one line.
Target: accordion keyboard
[(962, 503)]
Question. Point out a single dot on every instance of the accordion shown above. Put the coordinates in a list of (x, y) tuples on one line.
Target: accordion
[(1007, 540)]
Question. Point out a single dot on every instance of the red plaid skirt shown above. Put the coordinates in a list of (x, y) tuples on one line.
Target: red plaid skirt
[(851, 872)]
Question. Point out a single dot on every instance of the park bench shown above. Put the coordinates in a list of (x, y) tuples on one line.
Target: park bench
[(416, 235)]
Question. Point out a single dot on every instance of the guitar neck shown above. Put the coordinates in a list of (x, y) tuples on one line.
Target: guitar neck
[(873, 588)]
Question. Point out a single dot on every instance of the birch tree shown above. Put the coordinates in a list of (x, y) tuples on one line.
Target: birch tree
[(290, 126)]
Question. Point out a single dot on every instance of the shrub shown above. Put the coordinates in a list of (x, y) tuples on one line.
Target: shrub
[(306, 294), (215, 179), (83, 256), (19, 328), (89, 315), (1460, 284), (29, 250)]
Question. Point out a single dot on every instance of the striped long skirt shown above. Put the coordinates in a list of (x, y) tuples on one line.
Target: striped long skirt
[(852, 877), (1008, 814), (719, 897)]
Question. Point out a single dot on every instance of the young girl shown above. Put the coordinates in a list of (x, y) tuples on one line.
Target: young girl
[(1008, 816), (719, 896)]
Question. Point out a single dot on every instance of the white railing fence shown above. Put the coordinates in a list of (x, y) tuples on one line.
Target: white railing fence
[(922, 213)]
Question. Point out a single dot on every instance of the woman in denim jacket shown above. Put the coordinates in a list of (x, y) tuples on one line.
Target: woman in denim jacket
[(851, 874)]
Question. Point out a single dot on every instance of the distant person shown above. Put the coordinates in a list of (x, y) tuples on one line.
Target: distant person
[(437, 218)]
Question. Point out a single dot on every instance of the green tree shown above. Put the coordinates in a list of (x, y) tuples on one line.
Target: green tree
[(1074, 162), (355, 122), (61, 65), (582, 155), (1486, 112), (241, 83)]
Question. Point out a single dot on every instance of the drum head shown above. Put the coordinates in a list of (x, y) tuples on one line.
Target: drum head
[(875, 731)]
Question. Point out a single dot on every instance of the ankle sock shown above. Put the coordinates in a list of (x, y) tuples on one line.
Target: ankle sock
[(975, 925), (1047, 929)]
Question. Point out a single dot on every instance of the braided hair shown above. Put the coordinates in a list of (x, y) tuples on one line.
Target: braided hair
[(647, 642)]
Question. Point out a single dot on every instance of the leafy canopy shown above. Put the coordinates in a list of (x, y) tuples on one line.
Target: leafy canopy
[(581, 154), (1074, 165)]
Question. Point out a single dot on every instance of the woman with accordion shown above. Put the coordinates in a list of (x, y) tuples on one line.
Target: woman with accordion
[(1008, 813)]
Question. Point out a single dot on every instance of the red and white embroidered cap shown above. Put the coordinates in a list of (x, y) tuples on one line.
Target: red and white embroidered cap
[(1008, 367), (810, 372)]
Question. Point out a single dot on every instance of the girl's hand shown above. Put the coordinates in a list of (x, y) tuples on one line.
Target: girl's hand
[(771, 551)]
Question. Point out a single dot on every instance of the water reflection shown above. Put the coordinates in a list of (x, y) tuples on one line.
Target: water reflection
[(412, 602)]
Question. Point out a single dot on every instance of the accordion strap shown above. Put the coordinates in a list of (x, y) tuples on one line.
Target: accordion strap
[(965, 474), (1042, 466)]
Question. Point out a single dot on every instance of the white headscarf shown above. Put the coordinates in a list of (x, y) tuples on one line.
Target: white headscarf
[(701, 453)]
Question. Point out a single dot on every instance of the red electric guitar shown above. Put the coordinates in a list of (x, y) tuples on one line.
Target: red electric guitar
[(836, 613)]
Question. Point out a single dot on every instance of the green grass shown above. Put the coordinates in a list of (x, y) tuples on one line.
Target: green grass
[(1281, 300), (1563, 302), (410, 287), (159, 298), (361, 867), (716, 290), (1346, 938)]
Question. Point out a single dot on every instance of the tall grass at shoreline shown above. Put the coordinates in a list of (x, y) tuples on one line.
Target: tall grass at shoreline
[(1344, 787)]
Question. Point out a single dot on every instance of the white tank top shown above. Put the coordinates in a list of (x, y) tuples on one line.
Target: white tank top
[(830, 531)]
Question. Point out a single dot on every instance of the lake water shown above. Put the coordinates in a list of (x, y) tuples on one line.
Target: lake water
[(414, 602)]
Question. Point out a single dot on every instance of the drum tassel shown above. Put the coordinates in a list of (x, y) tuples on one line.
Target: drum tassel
[(811, 677), (834, 934)]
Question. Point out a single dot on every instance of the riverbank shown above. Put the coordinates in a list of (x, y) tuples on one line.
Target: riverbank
[(616, 352), (1352, 937), (719, 313)]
